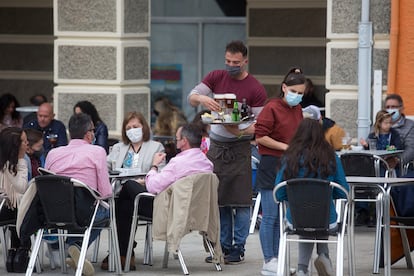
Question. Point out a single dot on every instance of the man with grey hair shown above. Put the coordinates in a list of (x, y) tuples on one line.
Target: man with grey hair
[(404, 126), (87, 163), (190, 160)]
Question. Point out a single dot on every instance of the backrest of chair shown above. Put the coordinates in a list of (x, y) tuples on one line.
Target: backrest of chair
[(145, 206), (56, 194), (44, 171), (309, 203), (363, 164)]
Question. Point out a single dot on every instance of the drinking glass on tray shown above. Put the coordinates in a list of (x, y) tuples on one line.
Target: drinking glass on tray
[(52, 139)]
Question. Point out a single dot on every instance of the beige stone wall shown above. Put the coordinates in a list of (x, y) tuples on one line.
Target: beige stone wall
[(102, 54)]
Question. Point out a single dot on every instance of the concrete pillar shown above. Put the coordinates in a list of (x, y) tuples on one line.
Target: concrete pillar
[(102, 54), (342, 57)]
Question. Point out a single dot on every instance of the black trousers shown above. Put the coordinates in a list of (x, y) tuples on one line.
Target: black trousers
[(124, 207), (9, 216)]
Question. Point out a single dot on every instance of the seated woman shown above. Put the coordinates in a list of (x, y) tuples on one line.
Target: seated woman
[(310, 156), (9, 116), (34, 156), (135, 151), (101, 130), (13, 184)]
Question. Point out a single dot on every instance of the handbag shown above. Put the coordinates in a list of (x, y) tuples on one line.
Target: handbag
[(21, 260)]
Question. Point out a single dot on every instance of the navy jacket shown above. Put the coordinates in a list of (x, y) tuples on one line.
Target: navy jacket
[(55, 127)]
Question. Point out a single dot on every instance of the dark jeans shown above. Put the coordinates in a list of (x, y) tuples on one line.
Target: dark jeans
[(124, 207)]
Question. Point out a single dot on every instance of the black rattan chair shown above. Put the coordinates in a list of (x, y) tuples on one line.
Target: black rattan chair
[(309, 203)]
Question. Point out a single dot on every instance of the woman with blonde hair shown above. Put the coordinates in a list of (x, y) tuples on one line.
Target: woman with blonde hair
[(169, 117)]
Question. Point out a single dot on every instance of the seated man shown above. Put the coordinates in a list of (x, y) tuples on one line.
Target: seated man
[(87, 163), (190, 160), (54, 131)]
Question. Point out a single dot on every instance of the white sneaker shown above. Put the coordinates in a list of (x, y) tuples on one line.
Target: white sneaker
[(324, 266), (270, 268), (53, 256), (301, 273), (74, 253)]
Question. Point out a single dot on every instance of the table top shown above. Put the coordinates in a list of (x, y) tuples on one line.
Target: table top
[(381, 153), (123, 172), (376, 180)]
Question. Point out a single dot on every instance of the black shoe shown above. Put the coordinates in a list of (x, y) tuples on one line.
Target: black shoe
[(236, 256), (10, 258), (362, 218), (21, 260)]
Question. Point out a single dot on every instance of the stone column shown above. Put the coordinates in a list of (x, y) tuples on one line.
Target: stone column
[(102, 54), (342, 56)]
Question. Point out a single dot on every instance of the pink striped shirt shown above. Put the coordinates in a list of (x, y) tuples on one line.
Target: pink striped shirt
[(82, 161)]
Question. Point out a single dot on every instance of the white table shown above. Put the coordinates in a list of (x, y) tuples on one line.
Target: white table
[(384, 182), (381, 153)]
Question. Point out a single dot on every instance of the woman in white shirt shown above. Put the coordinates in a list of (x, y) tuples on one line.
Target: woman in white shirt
[(13, 184)]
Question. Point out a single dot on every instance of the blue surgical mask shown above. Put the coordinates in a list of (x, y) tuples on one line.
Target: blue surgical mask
[(233, 70), (293, 99), (396, 114)]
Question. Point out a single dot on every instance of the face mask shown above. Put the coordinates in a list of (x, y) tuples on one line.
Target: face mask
[(233, 70), (93, 140), (293, 99), (396, 114), (37, 153), (134, 134)]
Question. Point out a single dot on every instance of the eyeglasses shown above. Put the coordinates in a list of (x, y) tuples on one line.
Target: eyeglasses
[(91, 129), (392, 106)]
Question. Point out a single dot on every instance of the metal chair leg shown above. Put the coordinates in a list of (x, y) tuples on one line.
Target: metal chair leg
[(94, 258), (182, 263), (148, 245), (166, 255), (406, 246), (255, 213), (211, 249), (3, 243), (35, 251), (378, 232)]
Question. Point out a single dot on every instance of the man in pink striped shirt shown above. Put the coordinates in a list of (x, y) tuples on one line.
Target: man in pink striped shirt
[(87, 163)]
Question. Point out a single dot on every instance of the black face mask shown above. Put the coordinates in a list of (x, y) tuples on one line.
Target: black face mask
[(156, 112), (38, 153)]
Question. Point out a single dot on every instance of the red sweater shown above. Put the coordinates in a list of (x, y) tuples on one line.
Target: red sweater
[(279, 121)]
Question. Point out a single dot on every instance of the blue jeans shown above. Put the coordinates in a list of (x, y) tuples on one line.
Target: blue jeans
[(239, 232), (269, 227), (101, 214)]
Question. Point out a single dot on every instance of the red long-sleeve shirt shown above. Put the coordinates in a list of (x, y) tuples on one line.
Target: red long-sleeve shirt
[(279, 121)]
